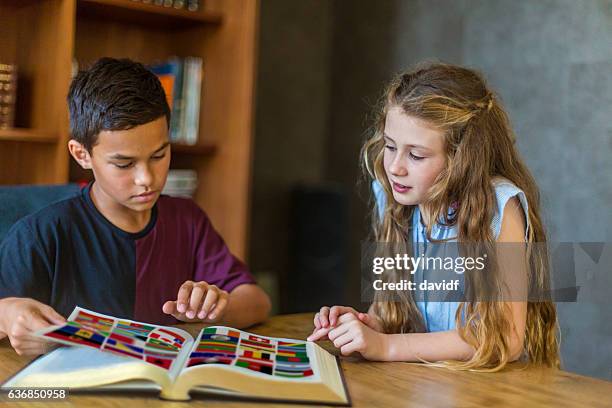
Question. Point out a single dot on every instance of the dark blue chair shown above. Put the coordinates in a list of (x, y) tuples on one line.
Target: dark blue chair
[(18, 201)]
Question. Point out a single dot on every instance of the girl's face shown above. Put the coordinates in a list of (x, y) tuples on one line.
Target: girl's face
[(414, 156)]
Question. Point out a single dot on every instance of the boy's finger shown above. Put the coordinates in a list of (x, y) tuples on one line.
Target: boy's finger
[(32, 343), (182, 299), (209, 302), (195, 301), (218, 309), (169, 307), (36, 321), (52, 316), (29, 351)]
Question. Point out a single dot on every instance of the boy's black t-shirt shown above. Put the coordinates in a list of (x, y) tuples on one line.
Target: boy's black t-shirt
[(69, 254)]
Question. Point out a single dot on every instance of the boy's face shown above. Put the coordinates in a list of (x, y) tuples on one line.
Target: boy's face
[(131, 166), (414, 156)]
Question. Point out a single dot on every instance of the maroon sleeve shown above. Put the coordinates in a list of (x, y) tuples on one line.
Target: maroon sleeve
[(214, 263)]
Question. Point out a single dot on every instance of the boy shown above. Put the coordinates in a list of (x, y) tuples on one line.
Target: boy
[(118, 247)]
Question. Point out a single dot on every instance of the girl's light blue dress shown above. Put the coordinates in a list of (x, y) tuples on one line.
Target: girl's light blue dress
[(440, 316)]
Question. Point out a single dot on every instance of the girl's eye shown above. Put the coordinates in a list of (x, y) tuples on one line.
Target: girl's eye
[(390, 148), (123, 166), (417, 158)]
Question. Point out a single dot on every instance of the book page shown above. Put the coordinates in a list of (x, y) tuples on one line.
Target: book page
[(157, 345), (265, 357), (77, 366)]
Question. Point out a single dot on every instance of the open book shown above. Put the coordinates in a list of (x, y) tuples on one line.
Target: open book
[(118, 354)]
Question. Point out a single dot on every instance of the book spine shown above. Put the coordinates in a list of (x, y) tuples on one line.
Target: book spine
[(193, 5), (177, 4), (8, 94), (188, 99), (194, 118), (186, 89), (175, 123)]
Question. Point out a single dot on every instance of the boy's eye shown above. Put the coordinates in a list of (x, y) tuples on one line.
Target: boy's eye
[(417, 158), (123, 166), (161, 156), (390, 148)]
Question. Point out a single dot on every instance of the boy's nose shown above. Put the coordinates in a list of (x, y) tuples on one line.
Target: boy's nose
[(144, 177)]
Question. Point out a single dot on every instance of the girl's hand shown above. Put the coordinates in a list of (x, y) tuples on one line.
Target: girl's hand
[(327, 319), (373, 322), (352, 335), (329, 316), (198, 301)]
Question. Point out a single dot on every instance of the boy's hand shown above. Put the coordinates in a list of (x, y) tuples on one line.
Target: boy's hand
[(328, 318), (198, 301), (20, 317)]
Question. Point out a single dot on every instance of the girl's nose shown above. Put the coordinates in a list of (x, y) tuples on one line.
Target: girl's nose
[(397, 167)]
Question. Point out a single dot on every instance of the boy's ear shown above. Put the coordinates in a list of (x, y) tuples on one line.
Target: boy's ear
[(80, 154)]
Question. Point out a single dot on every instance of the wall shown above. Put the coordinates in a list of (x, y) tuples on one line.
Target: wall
[(550, 60), (291, 130)]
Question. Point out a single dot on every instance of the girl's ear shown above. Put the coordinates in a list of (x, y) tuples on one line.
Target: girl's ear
[(80, 154)]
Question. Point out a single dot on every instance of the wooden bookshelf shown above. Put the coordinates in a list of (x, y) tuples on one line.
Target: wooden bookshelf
[(145, 14), (223, 33), (202, 149), (27, 135)]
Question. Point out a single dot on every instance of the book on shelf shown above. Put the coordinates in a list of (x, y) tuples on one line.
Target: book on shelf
[(193, 86), (113, 354), (181, 79), (181, 183), (8, 94), (170, 74), (191, 5)]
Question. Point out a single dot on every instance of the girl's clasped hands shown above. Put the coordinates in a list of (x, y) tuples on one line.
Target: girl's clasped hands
[(351, 331)]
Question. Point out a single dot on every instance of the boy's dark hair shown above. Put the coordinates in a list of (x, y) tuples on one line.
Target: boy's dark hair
[(113, 94)]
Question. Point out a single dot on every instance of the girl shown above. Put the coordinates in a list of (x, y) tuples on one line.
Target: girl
[(445, 167)]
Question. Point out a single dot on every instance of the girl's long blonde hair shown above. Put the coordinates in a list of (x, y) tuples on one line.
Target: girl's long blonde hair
[(479, 146)]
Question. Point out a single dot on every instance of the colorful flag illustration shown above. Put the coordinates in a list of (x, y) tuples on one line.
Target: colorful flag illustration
[(292, 360), (216, 346), (256, 346), (159, 361), (254, 366), (122, 348), (167, 336), (161, 345), (210, 358), (99, 323), (131, 329), (77, 334)]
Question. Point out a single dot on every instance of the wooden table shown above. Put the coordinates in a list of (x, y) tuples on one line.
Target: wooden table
[(383, 384)]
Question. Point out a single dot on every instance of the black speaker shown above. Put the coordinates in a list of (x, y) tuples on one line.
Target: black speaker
[(318, 248)]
